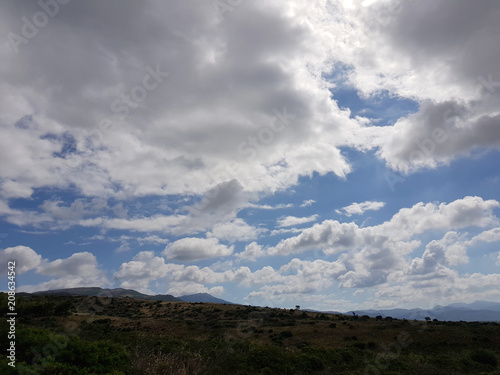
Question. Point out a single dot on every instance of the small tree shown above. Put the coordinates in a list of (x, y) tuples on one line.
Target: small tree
[(427, 318)]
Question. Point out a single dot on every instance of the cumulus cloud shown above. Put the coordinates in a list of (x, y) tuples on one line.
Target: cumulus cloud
[(371, 254), (68, 282), (290, 221), (192, 249), (360, 208), (146, 268), (226, 113), (78, 270), (457, 87), (461, 213), (252, 252), (78, 264), (26, 258), (328, 234), (236, 230), (253, 87), (332, 236), (138, 273), (442, 288), (438, 253), (492, 235)]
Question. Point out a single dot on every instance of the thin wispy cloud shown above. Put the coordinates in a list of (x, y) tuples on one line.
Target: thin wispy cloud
[(360, 208), (290, 221)]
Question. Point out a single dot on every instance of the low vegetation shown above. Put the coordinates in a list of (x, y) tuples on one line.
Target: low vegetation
[(80, 335)]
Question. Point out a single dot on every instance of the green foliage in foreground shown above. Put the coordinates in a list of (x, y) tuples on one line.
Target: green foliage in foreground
[(88, 335), (40, 351)]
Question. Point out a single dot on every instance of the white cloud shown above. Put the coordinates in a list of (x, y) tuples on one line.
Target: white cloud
[(438, 253), (372, 254), (78, 264), (327, 235), (308, 203), (264, 116), (146, 268), (192, 249), (442, 288), (457, 87), (277, 232), (360, 208), (181, 289), (144, 265), (252, 252), (152, 239), (13, 189), (78, 270), (290, 221), (461, 213), (119, 125), (124, 247), (269, 207), (68, 282), (492, 235), (236, 230), (156, 223), (332, 236), (26, 259)]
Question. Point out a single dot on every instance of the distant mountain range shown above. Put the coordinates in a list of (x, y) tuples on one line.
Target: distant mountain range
[(120, 293), (478, 311)]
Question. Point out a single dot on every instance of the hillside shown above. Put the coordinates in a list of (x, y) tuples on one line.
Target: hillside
[(479, 311), (202, 297), (100, 292), (77, 335), (120, 293)]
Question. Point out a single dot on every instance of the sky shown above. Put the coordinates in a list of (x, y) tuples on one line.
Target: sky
[(332, 154)]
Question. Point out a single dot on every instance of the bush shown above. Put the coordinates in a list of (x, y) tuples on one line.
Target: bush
[(311, 362), (484, 357), (50, 353), (286, 334)]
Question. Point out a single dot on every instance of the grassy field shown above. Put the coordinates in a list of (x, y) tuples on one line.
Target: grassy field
[(93, 335)]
